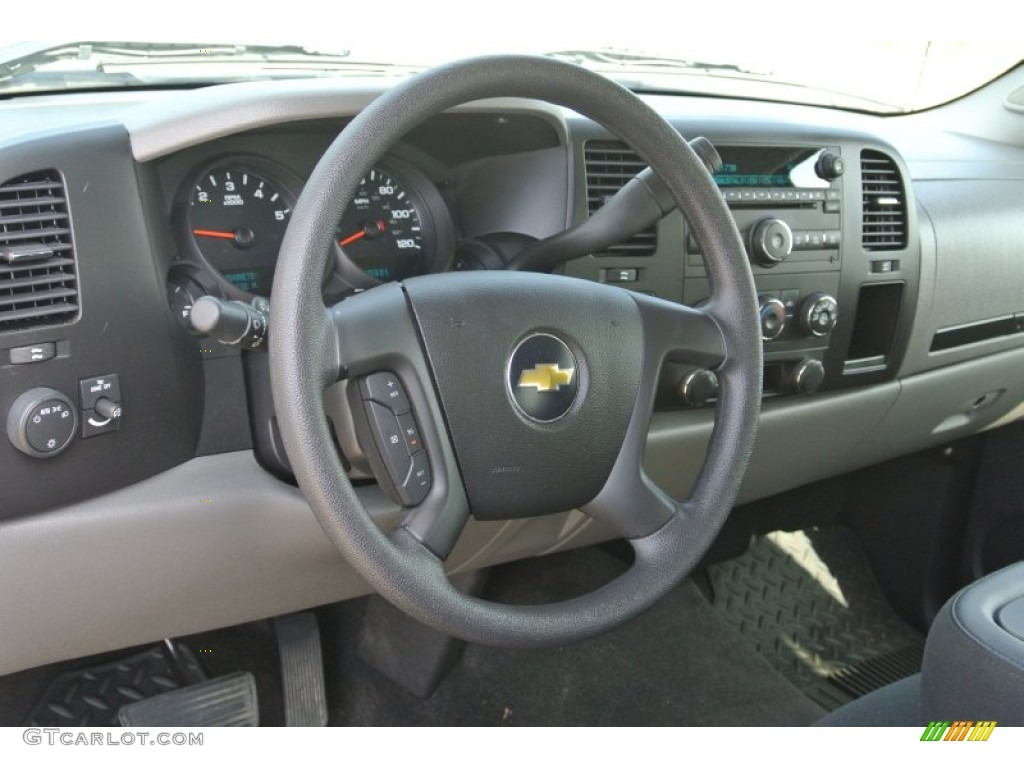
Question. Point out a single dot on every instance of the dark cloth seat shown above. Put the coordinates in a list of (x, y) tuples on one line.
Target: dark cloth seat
[(973, 666)]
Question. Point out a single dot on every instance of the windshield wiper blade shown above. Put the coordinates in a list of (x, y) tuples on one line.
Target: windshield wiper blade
[(26, 58), (612, 57)]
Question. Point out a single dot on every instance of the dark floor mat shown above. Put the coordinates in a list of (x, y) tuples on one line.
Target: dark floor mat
[(247, 647), (678, 664), (92, 697), (808, 602)]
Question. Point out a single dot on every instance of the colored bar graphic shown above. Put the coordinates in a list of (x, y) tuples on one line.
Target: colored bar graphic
[(935, 730), (958, 730)]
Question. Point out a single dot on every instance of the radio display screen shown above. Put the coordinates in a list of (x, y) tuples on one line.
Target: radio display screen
[(769, 167)]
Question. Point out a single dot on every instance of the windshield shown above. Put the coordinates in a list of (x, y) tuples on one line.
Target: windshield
[(208, 45)]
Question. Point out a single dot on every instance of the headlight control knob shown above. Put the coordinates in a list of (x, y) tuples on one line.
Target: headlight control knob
[(771, 242), (42, 422)]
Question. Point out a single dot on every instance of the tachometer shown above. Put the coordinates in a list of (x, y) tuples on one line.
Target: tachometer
[(235, 217)]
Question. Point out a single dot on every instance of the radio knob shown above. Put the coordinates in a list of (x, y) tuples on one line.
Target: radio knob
[(818, 314), (807, 376), (829, 166), (771, 241), (773, 317), (698, 387)]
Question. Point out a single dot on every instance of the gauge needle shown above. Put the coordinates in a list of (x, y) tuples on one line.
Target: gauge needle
[(371, 229), (352, 238), (214, 233)]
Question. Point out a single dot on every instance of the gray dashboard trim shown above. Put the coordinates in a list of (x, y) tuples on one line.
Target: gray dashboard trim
[(213, 542), (184, 119)]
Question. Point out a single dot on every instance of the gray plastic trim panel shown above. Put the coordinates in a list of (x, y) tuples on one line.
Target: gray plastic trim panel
[(192, 117)]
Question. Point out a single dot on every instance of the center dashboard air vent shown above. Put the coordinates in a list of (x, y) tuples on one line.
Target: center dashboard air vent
[(610, 164), (38, 283), (884, 200)]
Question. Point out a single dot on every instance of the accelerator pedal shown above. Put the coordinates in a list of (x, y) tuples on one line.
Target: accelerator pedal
[(224, 701), (302, 670)]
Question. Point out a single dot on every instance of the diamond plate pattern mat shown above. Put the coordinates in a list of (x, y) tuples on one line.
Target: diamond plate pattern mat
[(809, 604), (93, 697)]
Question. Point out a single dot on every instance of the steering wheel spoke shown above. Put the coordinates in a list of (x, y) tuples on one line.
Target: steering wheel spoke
[(394, 419), (630, 502), (679, 334)]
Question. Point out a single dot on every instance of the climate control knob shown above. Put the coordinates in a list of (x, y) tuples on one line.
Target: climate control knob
[(807, 376), (819, 314), (698, 387), (42, 422), (773, 317), (771, 242)]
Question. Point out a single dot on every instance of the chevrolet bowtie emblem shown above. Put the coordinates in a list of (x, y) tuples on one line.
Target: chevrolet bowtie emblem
[(546, 377)]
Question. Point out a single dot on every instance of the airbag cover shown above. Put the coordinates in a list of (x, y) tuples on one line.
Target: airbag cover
[(473, 326)]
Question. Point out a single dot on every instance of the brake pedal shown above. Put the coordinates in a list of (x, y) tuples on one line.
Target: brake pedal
[(302, 670)]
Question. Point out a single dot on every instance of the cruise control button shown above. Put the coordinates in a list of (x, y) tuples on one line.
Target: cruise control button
[(388, 435), (385, 388), (417, 486)]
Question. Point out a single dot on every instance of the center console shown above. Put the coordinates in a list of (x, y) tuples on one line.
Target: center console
[(828, 229)]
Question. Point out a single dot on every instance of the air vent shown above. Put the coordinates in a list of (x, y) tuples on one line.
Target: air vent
[(38, 285), (610, 164), (885, 209)]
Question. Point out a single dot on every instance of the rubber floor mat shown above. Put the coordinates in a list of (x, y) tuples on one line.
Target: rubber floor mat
[(809, 604), (92, 697)]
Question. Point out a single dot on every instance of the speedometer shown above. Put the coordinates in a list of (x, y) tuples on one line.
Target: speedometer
[(384, 229)]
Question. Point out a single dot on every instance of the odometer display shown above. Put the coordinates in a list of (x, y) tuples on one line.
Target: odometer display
[(382, 230)]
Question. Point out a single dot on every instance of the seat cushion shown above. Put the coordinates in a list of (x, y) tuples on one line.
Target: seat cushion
[(974, 658)]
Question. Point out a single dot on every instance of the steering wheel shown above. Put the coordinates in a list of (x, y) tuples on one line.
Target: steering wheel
[(504, 439)]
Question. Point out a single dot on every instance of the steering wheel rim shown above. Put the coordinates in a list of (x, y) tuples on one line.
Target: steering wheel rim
[(307, 344)]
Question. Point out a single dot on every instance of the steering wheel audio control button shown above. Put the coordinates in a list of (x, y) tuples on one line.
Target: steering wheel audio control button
[(410, 433), (388, 436), (385, 388), (417, 485)]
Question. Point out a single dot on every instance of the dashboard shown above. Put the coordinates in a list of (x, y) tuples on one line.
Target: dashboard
[(885, 253)]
